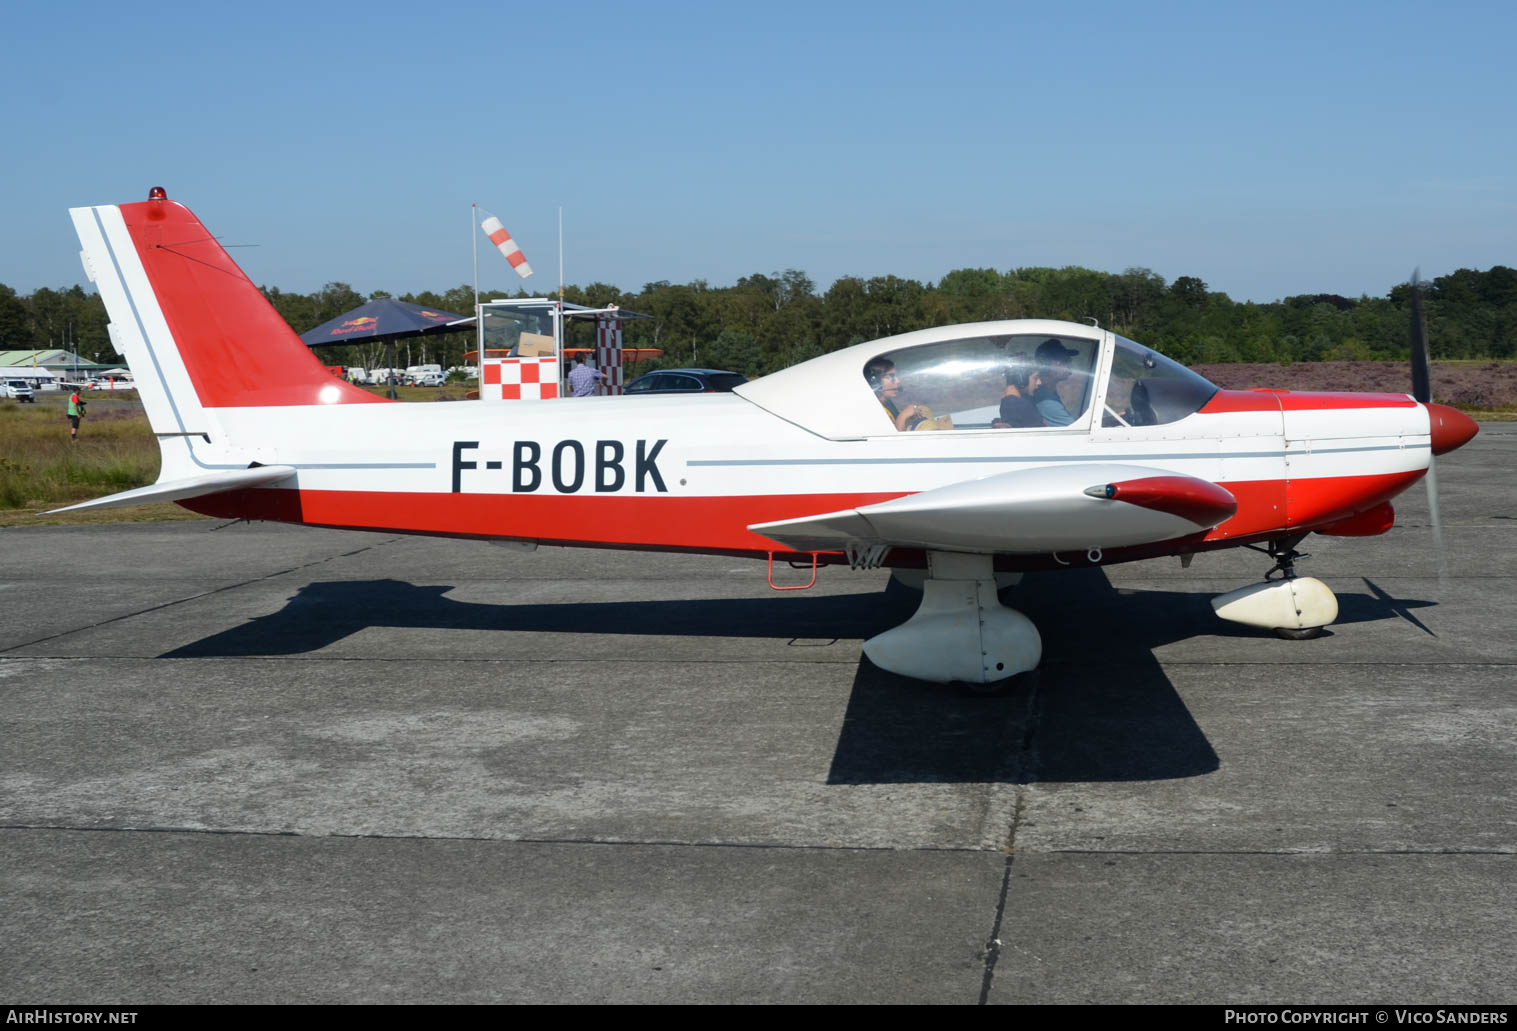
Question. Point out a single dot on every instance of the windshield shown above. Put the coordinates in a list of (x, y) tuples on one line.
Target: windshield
[(1148, 389)]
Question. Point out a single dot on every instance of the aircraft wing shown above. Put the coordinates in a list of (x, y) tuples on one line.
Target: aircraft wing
[(1033, 511), (189, 487)]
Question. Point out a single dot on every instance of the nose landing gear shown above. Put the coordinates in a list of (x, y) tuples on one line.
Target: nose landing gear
[(1296, 608)]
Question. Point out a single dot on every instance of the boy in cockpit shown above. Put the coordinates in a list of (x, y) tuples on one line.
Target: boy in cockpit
[(886, 383)]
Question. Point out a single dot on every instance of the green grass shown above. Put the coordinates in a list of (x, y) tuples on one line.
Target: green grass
[(1506, 413), (450, 392)]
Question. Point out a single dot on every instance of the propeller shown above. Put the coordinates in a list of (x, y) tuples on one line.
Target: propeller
[(1422, 391)]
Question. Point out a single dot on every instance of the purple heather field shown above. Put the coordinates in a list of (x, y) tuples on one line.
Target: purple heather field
[(1471, 384)]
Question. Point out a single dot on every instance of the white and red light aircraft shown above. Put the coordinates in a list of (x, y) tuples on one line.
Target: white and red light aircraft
[(821, 463)]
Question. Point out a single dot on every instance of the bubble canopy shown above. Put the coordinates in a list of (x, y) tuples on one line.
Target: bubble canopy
[(1016, 376)]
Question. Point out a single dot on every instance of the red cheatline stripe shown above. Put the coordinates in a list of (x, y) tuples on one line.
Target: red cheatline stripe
[(715, 523), (645, 520)]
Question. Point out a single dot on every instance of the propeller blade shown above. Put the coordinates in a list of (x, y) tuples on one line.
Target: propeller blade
[(1422, 373), (1432, 505), (1422, 390)]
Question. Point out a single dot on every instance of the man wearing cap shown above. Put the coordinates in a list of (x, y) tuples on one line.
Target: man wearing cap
[(1053, 361)]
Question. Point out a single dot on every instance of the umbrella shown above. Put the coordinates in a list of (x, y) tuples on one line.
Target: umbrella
[(383, 318)]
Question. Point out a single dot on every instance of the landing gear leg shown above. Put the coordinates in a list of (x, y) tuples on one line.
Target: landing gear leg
[(1296, 608), (1283, 551), (961, 631)]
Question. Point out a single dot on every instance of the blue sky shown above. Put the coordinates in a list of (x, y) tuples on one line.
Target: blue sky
[(1268, 149)]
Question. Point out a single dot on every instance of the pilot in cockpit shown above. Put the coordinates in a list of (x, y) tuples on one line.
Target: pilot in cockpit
[(886, 383)]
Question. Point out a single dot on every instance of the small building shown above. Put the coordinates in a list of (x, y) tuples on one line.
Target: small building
[(50, 366)]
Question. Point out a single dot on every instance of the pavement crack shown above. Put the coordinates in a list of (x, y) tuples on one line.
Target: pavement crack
[(1028, 760), (994, 944), (489, 839)]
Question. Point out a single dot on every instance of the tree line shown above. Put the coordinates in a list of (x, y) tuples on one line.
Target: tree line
[(766, 322)]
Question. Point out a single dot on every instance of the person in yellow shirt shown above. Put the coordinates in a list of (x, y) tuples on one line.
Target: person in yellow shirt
[(886, 383)]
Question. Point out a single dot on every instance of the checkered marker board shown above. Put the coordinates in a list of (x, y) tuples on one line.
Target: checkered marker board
[(518, 379), (608, 353)]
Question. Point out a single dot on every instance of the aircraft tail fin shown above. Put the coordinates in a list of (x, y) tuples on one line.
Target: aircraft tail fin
[(196, 331)]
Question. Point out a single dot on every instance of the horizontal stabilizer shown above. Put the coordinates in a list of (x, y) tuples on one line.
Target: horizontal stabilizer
[(1054, 508), (189, 487)]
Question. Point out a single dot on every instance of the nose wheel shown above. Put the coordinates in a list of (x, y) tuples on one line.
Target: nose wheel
[(1296, 608)]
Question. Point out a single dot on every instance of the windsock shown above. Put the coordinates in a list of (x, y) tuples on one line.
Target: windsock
[(507, 246)]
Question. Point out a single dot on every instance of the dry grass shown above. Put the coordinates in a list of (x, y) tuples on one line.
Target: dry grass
[(40, 467)]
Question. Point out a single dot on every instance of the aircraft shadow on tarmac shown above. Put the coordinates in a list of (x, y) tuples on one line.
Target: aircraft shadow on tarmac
[(1100, 708)]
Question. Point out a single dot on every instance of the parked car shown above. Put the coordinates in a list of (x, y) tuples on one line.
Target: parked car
[(20, 390), (686, 381)]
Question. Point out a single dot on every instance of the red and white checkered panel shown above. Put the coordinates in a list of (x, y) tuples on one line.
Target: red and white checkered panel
[(518, 379), (608, 353)]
